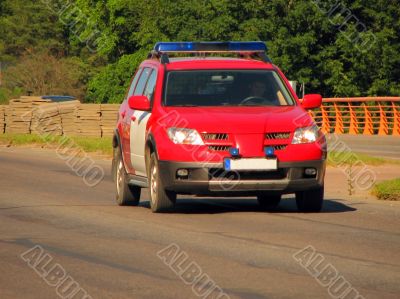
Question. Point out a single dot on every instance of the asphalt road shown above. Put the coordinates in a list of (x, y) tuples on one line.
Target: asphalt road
[(111, 251), (379, 146)]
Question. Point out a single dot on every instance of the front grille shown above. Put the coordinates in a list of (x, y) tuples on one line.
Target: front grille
[(280, 147), (215, 136), (219, 148), (281, 135)]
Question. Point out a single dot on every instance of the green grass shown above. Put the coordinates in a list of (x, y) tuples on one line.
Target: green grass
[(87, 144), (93, 144), (387, 190), (346, 158)]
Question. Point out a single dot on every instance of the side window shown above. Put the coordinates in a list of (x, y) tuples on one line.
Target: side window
[(134, 82), (151, 84), (142, 82)]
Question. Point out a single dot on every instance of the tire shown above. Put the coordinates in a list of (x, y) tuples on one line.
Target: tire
[(269, 202), (126, 195), (310, 201), (161, 200)]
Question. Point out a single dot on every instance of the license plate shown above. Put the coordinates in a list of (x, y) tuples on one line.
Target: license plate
[(251, 164)]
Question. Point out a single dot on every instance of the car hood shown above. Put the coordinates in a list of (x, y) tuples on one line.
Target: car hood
[(239, 120)]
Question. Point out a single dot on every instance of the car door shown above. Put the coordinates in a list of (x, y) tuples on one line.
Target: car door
[(126, 123), (139, 121)]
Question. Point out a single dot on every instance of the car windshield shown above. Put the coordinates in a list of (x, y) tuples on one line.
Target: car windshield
[(226, 88)]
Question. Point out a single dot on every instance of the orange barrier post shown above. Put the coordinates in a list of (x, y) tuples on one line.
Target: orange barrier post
[(326, 127), (362, 115), (353, 121), (396, 122), (339, 120), (383, 125), (368, 124)]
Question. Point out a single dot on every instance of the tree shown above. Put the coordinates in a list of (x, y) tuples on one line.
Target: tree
[(27, 26), (111, 84), (43, 74), (316, 42)]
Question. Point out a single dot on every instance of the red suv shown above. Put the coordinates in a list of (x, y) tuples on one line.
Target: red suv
[(216, 126)]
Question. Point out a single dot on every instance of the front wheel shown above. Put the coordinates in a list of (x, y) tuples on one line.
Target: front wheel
[(310, 201), (126, 195), (161, 200)]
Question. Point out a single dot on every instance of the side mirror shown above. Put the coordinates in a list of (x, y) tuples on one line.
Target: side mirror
[(311, 101), (141, 103)]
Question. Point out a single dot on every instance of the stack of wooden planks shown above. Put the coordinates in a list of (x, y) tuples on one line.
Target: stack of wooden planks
[(37, 116), (7, 115), (68, 112), (2, 118), (46, 120), (109, 116), (19, 115), (87, 120)]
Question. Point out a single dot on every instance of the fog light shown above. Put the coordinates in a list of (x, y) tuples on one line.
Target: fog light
[(182, 173), (310, 171)]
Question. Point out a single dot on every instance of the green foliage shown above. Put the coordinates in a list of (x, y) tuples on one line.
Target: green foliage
[(111, 84), (6, 94), (26, 26), (3, 96), (308, 40)]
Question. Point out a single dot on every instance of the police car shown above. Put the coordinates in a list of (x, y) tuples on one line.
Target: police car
[(216, 119)]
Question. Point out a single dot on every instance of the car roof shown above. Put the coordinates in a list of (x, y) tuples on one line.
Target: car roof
[(215, 63)]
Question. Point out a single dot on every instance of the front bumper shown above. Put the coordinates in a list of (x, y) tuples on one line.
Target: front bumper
[(211, 179)]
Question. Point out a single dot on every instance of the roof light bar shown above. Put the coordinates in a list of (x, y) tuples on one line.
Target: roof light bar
[(210, 47)]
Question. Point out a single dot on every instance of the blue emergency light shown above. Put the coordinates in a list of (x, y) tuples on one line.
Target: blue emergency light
[(234, 152), (269, 151), (192, 47)]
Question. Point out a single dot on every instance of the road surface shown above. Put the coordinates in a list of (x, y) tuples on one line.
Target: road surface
[(379, 146), (111, 251)]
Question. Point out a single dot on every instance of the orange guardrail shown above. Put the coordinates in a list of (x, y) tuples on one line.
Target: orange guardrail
[(368, 116)]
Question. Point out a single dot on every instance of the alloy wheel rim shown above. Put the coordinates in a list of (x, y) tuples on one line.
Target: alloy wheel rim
[(119, 177), (153, 188)]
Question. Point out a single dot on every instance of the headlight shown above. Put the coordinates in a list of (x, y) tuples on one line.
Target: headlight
[(305, 135), (184, 136)]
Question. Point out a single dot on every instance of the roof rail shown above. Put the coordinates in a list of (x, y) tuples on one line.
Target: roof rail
[(244, 49)]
